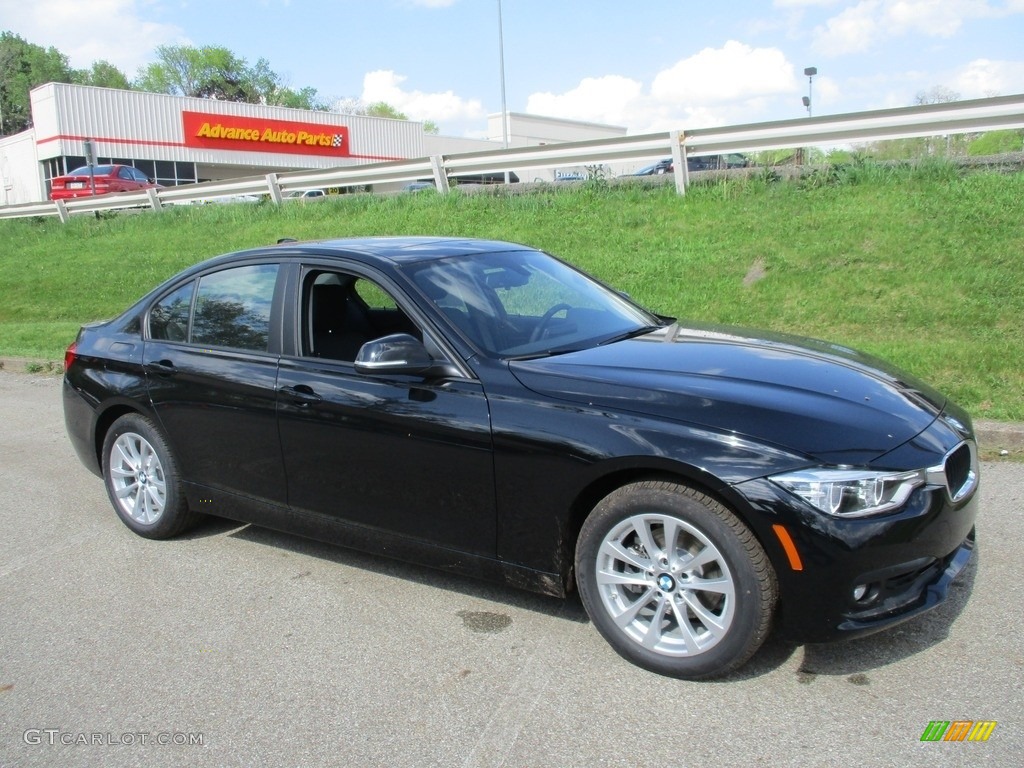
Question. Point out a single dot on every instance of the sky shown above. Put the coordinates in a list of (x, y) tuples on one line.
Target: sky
[(648, 65)]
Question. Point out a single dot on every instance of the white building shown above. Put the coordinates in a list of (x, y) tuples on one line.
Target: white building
[(180, 140)]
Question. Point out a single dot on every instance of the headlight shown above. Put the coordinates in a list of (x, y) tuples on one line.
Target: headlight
[(852, 492)]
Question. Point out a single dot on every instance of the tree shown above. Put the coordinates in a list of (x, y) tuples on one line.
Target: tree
[(937, 94), (212, 72), (382, 109), (103, 74), (268, 87), (23, 66), (928, 146)]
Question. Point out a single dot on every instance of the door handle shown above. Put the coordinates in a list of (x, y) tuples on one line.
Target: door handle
[(301, 394), (163, 367)]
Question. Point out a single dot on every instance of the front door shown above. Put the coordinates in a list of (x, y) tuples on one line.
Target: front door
[(400, 454)]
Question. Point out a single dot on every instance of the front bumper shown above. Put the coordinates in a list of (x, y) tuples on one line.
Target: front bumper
[(909, 592), (850, 577)]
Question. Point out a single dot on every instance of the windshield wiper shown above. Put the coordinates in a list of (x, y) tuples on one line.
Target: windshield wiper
[(641, 331)]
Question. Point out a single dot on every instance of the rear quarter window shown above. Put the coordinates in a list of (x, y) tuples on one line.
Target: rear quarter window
[(168, 319)]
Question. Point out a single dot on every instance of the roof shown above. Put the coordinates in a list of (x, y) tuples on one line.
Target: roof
[(405, 249)]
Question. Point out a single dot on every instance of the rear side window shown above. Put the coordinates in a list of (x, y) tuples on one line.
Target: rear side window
[(232, 308)]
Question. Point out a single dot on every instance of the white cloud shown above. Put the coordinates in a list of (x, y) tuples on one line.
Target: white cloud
[(869, 23), (433, 3), (802, 3), (734, 83), (735, 71), (85, 32), (609, 99), (855, 29), (983, 77), (444, 108)]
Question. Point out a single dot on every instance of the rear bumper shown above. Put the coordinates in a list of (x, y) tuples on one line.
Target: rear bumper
[(80, 422)]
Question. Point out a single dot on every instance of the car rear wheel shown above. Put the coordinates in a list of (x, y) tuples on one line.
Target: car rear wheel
[(142, 480), (674, 581)]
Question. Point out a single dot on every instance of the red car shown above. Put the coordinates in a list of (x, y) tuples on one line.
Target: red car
[(109, 178)]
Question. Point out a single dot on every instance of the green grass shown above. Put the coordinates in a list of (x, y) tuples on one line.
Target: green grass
[(919, 265)]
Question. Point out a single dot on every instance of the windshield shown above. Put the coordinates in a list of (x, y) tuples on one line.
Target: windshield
[(525, 303)]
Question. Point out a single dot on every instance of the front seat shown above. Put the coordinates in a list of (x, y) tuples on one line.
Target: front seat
[(340, 326)]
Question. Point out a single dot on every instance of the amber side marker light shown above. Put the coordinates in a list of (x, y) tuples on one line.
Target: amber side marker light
[(787, 544)]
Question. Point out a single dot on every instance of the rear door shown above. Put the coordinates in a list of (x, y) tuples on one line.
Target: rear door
[(211, 360)]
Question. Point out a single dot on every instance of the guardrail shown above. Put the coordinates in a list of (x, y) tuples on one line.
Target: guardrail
[(978, 115)]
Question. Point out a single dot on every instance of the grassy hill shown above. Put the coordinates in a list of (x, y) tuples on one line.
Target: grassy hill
[(919, 265)]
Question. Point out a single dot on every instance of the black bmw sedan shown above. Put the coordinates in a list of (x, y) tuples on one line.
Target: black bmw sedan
[(485, 408)]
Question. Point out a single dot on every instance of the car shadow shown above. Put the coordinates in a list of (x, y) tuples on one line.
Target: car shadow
[(850, 658), (569, 608)]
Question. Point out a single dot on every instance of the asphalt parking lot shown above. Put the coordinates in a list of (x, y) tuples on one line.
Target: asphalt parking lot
[(237, 646)]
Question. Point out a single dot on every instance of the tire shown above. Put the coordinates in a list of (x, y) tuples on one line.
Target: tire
[(696, 609), (142, 479)]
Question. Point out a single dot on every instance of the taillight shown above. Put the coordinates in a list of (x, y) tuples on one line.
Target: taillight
[(69, 355)]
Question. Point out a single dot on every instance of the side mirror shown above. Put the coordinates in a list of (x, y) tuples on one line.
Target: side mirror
[(398, 354)]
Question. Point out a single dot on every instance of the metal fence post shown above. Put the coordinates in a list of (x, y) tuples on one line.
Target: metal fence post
[(275, 189), (62, 212), (440, 175), (680, 170), (154, 200)]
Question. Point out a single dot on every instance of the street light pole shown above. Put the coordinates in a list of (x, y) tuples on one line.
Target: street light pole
[(810, 72), (501, 67)]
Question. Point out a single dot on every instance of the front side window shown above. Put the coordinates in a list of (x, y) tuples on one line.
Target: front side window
[(232, 308), (344, 311)]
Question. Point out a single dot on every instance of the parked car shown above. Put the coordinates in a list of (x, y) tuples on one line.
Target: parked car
[(483, 178), (109, 178), (225, 200), (419, 186), (699, 163), (486, 408), (305, 194)]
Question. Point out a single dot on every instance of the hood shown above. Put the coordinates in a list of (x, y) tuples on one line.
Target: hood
[(811, 397)]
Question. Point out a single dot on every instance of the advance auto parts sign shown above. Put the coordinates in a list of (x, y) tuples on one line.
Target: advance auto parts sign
[(254, 134)]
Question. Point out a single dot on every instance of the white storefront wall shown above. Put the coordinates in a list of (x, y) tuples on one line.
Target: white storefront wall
[(21, 178), (186, 139)]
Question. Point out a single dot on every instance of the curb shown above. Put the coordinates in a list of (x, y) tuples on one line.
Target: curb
[(999, 435)]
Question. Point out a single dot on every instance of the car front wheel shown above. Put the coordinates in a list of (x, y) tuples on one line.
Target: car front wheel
[(674, 581), (142, 480)]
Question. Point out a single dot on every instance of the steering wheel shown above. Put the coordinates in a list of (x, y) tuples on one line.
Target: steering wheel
[(542, 324)]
